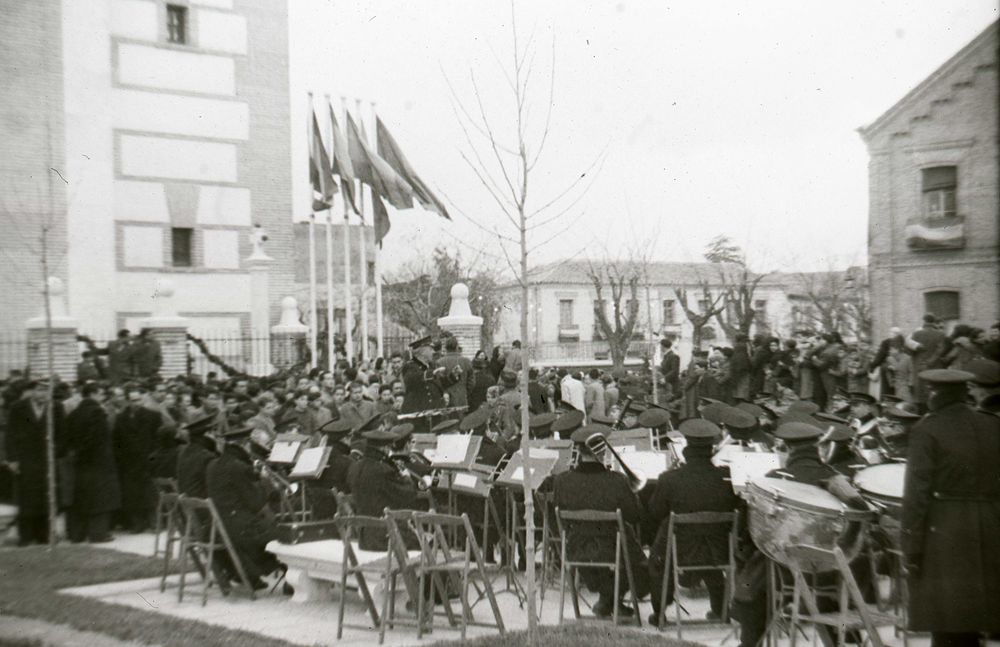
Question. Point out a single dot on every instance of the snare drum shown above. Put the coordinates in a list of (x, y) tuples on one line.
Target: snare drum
[(883, 486), (785, 513)]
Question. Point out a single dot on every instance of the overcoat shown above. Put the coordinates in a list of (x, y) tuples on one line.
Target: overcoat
[(134, 431), (951, 520), (192, 466), (376, 484), (26, 446), (88, 435), (424, 389)]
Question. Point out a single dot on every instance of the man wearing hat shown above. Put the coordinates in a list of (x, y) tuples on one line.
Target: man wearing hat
[(951, 515), (985, 386), (923, 345), (476, 424), (696, 486), (334, 476), (591, 486), (567, 423), (425, 383), (670, 367), (895, 427), (376, 484), (743, 427), (95, 479), (240, 498), (193, 458)]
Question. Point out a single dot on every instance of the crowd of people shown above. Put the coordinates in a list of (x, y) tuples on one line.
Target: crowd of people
[(826, 406)]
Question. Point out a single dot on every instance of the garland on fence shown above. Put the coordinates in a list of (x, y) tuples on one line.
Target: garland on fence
[(230, 371), (91, 345)]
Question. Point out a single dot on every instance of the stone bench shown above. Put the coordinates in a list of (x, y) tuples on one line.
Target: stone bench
[(316, 565)]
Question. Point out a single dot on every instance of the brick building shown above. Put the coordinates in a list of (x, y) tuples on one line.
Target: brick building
[(152, 136), (934, 208)]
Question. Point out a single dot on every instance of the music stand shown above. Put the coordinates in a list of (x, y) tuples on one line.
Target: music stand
[(286, 448), (309, 467)]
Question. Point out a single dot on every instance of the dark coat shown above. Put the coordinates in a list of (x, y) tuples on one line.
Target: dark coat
[(480, 382), (696, 486), (120, 360), (88, 436), (192, 466), (134, 432), (951, 520), (376, 484), (240, 498), (26, 446), (458, 392), (146, 357), (424, 389), (671, 369), (930, 339)]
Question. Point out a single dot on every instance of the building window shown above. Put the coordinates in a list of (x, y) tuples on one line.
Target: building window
[(566, 313), (760, 312), (181, 246), (939, 185), (371, 272), (669, 312), (944, 304), (176, 24)]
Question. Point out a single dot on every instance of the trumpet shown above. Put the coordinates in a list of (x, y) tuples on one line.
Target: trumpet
[(599, 447)]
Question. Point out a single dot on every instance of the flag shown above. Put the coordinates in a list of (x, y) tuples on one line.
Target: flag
[(319, 170), (342, 166), (380, 218), (375, 172), (389, 150)]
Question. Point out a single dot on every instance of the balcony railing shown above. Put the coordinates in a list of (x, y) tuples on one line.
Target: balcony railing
[(946, 232), (587, 351)]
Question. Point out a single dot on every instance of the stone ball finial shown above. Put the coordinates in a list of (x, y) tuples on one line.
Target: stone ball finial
[(289, 321), (459, 301), (460, 291), (56, 287)]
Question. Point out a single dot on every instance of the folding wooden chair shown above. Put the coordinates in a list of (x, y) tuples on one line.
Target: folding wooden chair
[(852, 613), (165, 508), (206, 542), (569, 520), (550, 542), (673, 569), (175, 534)]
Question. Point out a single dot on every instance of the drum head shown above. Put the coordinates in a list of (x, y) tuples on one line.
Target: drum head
[(882, 480), (800, 495)]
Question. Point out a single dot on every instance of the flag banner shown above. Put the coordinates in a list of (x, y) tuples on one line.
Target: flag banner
[(942, 233), (342, 166), (381, 217), (375, 172), (389, 150), (319, 170)]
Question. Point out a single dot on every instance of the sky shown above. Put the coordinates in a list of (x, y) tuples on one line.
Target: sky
[(690, 119)]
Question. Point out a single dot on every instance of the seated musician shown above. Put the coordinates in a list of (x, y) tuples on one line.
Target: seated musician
[(425, 382), (194, 457), (476, 423), (835, 445), (241, 500), (376, 483), (896, 426), (804, 466), (743, 425), (985, 386), (696, 486), (567, 423), (589, 485)]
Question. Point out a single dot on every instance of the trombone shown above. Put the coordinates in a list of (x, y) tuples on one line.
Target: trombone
[(598, 445)]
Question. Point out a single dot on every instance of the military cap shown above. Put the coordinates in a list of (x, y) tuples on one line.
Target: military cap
[(902, 413), (423, 341), (474, 420), (403, 430), (807, 407), (541, 420), (892, 399), (583, 433), (338, 426), (945, 376), (858, 396), (707, 401), (379, 437), (752, 409), (508, 378), (699, 428), (796, 416), (201, 425), (369, 425), (603, 419), (829, 417), (798, 431), (237, 433), (836, 432), (653, 417), (986, 372), (735, 418), (568, 421), (713, 411), (444, 427)]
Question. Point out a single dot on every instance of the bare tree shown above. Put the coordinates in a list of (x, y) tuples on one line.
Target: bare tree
[(835, 301), (739, 286), (708, 306), (621, 280)]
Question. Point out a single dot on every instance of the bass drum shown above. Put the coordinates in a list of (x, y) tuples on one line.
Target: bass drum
[(883, 486), (786, 513)]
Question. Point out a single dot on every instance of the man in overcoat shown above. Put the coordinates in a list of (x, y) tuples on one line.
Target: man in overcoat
[(26, 453), (425, 382), (951, 516), (458, 393), (194, 457), (697, 486), (96, 491), (134, 431), (923, 345)]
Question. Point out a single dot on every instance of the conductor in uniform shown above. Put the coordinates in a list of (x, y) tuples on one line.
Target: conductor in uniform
[(425, 382), (697, 486), (589, 485), (951, 515)]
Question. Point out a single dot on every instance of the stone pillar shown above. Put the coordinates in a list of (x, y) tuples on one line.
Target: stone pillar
[(288, 335), (461, 323), (169, 329), (65, 350), (259, 265)]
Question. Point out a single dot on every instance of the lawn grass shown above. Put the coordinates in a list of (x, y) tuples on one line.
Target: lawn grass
[(573, 636), (30, 578)]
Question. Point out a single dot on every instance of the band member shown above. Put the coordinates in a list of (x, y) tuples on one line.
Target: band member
[(835, 444), (951, 515), (540, 425), (895, 428), (696, 486), (425, 382), (241, 499), (376, 483), (567, 423), (985, 386), (744, 427), (589, 485), (335, 474), (193, 458)]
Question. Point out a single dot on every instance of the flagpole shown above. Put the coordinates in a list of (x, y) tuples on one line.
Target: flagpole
[(379, 349), (363, 253), (331, 356), (313, 321), (348, 309)]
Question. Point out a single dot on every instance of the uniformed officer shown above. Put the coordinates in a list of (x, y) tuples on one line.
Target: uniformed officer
[(591, 486), (985, 386), (743, 427), (334, 475), (895, 428), (540, 425), (696, 486), (951, 515), (425, 383), (193, 458), (475, 424), (835, 443), (567, 423)]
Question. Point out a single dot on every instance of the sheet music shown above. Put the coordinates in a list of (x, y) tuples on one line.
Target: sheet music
[(649, 464), (725, 455), (465, 480), (518, 475), (451, 449), (543, 452), (748, 466), (284, 452), (310, 461)]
